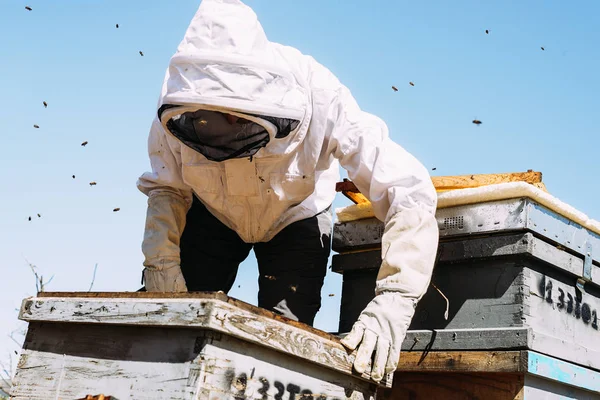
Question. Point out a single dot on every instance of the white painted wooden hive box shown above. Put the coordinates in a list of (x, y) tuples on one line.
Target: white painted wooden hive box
[(180, 346), (521, 270)]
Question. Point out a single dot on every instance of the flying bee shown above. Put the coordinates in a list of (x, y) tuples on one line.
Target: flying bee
[(30, 218), (116, 209), (84, 143), (28, 8), (271, 277), (331, 294), (73, 176), (411, 83), (117, 26), (433, 169), (92, 183), (36, 126), (542, 48), (487, 32), (45, 104), (477, 122), (39, 215), (141, 54), (394, 88)]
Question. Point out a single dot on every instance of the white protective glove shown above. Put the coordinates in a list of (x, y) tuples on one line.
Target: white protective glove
[(381, 328), (168, 279), (409, 246), (165, 221)]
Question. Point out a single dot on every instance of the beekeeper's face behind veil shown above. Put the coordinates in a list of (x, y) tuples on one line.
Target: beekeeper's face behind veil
[(221, 136), (227, 93)]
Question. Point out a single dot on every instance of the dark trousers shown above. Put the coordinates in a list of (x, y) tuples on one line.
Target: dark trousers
[(291, 266)]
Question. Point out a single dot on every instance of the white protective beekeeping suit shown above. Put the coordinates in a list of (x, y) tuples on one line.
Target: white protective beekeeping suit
[(225, 63)]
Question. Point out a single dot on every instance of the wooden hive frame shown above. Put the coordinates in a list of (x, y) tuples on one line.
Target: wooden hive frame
[(446, 183)]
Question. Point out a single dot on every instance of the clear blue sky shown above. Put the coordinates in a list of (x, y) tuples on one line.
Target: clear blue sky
[(539, 111)]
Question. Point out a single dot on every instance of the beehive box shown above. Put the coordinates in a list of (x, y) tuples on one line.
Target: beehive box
[(490, 375), (517, 274), (184, 346)]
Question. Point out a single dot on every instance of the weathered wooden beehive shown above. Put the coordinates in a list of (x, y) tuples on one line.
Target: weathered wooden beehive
[(183, 346), (519, 269)]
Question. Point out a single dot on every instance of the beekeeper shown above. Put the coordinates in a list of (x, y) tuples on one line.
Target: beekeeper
[(245, 152)]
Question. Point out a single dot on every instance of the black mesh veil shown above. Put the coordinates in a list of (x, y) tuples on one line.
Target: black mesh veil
[(220, 138)]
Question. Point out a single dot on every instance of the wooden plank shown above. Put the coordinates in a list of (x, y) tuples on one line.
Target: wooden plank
[(455, 386), (467, 339), (445, 183), (536, 388), (488, 375), (357, 198), (349, 189), (220, 296), (68, 361), (563, 372), (209, 313), (462, 250), (472, 181), (488, 386), (463, 361), (456, 250), (524, 361)]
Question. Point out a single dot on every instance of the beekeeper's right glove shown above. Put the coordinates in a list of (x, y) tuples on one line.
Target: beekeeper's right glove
[(165, 221), (164, 279), (380, 329), (409, 246)]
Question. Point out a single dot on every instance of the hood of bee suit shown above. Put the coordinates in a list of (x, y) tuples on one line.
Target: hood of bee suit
[(226, 63)]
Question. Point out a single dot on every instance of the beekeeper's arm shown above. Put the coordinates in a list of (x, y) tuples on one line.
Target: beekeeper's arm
[(169, 200), (403, 196)]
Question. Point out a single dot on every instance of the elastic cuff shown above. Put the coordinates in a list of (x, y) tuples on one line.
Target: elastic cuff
[(162, 264)]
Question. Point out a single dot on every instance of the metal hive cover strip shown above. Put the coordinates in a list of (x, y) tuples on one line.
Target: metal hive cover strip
[(502, 216)]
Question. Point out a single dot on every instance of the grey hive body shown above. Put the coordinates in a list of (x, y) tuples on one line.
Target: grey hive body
[(176, 346), (517, 276)]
